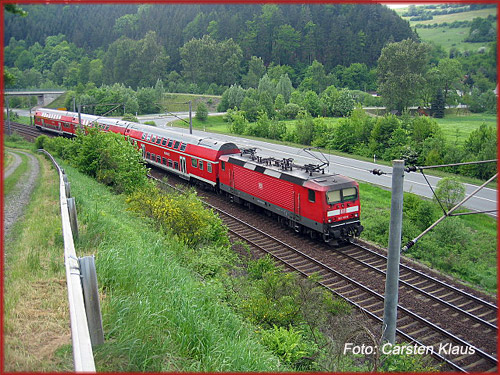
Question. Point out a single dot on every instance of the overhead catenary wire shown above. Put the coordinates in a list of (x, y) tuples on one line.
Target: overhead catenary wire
[(458, 205)]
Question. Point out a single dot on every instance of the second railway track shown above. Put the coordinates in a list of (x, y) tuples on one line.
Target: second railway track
[(460, 328)]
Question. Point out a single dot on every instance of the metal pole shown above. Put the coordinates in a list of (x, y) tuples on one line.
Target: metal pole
[(74, 104), (8, 116), (393, 256), (190, 118), (79, 116)]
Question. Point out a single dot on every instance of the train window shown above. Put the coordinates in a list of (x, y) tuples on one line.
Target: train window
[(164, 161), (153, 139), (349, 194), (209, 167), (183, 146), (176, 145), (194, 162), (143, 136), (333, 196), (223, 165), (176, 165), (148, 137), (164, 142), (201, 165), (107, 127), (158, 140), (312, 196), (148, 155), (170, 163), (158, 158), (153, 157), (170, 141)]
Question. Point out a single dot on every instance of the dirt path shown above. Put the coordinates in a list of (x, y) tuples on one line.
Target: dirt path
[(15, 202)]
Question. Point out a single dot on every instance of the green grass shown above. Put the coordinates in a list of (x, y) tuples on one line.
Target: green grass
[(457, 128), (463, 246), (449, 37), (58, 102), (35, 298), (177, 102), (464, 16), (158, 316), (11, 181)]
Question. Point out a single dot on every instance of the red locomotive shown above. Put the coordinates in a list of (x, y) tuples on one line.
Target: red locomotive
[(302, 197)]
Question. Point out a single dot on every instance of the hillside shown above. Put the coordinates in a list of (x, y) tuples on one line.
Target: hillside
[(450, 30)]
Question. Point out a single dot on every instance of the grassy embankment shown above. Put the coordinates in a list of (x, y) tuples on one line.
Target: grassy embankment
[(36, 317), (158, 315)]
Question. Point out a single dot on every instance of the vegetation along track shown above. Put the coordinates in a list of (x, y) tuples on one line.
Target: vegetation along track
[(460, 327), (28, 132)]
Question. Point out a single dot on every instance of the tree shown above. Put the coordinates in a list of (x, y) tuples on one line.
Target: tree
[(450, 192), (401, 69), (206, 61), (256, 69), (438, 104), (201, 111)]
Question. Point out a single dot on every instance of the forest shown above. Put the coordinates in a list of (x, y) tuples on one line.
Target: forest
[(269, 62), (138, 44)]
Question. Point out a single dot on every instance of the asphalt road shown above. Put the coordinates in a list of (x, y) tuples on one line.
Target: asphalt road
[(414, 182)]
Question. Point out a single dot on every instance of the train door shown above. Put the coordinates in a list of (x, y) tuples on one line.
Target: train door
[(296, 205), (182, 161), (143, 148)]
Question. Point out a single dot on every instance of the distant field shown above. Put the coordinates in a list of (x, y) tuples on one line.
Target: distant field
[(458, 128), (464, 16), (180, 102), (448, 37)]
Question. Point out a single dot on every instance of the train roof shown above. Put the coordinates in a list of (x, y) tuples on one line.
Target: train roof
[(292, 173), (87, 119), (207, 142)]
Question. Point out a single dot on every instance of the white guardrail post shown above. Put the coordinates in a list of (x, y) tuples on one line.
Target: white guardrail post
[(82, 347)]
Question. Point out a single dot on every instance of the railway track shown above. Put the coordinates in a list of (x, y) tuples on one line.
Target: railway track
[(455, 326), (459, 328), (28, 132)]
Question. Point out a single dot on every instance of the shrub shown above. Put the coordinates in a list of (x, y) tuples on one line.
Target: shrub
[(290, 346), (201, 111), (181, 214)]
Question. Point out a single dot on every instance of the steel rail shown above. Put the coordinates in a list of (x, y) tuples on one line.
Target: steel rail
[(425, 293), (424, 321), (430, 278), (82, 347), (355, 304)]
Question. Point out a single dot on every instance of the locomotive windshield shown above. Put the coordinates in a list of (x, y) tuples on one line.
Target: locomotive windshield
[(337, 196)]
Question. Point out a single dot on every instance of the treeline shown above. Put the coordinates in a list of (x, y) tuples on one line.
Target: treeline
[(198, 44), (417, 140), (427, 12), (455, 24)]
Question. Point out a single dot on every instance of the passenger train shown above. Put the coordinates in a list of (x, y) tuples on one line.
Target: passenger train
[(302, 197)]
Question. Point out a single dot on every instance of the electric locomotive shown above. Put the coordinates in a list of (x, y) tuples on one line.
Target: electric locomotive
[(303, 197)]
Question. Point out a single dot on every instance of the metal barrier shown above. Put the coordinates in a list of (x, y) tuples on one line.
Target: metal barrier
[(82, 347)]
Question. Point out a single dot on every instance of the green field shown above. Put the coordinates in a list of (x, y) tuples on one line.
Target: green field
[(449, 37), (180, 102), (457, 128)]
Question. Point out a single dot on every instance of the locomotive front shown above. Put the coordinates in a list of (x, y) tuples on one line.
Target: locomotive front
[(341, 213)]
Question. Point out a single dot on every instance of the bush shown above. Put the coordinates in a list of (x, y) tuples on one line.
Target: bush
[(290, 111), (181, 214), (290, 346), (201, 111)]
